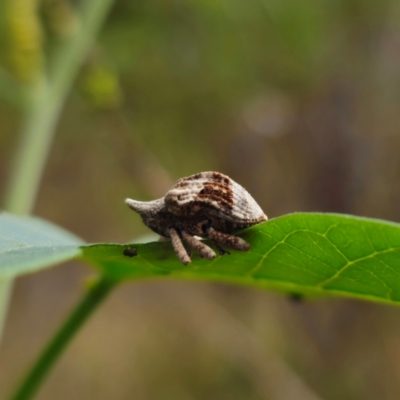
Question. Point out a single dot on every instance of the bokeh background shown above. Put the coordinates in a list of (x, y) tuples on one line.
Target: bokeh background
[(296, 100)]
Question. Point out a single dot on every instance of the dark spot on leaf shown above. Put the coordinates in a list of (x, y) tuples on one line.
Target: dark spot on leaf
[(130, 252)]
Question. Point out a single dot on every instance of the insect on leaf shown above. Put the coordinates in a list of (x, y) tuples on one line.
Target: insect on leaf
[(209, 205), (309, 254)]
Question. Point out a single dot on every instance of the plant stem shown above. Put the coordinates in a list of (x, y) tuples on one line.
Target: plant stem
[(5, 294), (60, 341), (47, 98), (32, 152)]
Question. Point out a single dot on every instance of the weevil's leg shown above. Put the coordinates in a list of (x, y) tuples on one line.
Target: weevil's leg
[(165, 239), (203, 249), (221, 251), (232, 242), (178, 246)]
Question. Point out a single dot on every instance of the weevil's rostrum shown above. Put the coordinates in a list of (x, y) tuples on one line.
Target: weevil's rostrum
[(206, 205)]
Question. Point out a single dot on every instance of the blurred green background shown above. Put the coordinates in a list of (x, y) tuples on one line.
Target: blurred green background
[(296, 100)]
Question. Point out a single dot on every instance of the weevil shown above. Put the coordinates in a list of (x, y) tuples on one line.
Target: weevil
[(205, 205)]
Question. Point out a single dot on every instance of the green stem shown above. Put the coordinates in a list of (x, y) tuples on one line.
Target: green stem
[(60, 341), (47, 98), (5, 294), (32, 152)]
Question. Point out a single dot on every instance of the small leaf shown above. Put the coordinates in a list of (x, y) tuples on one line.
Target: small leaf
[(304, 253), (29, 244)]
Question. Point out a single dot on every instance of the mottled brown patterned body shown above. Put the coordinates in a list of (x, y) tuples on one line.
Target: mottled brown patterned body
[(208, 205)]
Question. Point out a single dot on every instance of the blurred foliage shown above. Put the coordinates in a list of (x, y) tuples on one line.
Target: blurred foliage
[(100, 85), (25, 42), (297, 101)]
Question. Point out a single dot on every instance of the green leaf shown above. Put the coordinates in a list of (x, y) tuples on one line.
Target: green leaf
[(310, 254), (29, 244)]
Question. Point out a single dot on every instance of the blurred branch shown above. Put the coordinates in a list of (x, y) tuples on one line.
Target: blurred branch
[(12, 91), (47, 99), (45, 104), (5, 294)]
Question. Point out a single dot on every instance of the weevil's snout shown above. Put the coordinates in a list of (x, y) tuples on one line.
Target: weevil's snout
[(134, 205), (146, 207), (152, 214)]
